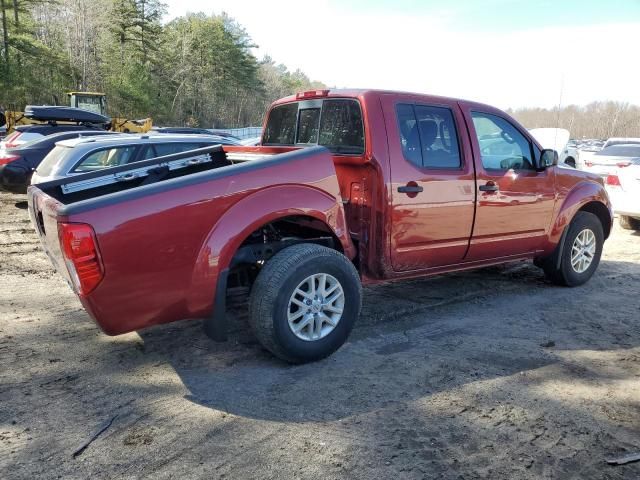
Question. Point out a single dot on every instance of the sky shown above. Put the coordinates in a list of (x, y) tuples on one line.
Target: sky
[(508, 53)]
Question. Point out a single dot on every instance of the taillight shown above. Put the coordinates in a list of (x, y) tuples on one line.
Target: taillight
[(81, 255), (9, 142), (589, 164), (613, 181), (4, 159)]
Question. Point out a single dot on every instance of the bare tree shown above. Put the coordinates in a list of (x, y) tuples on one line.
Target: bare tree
[(595, 120)]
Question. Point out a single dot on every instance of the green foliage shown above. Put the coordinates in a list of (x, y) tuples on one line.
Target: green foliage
[(195, 70)]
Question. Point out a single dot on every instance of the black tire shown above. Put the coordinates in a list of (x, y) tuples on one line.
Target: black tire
[(570, 161), (629, 223), (561, 272), (273, 288)]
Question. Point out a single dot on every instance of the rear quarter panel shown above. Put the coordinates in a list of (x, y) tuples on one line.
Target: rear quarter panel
[(162, 252)]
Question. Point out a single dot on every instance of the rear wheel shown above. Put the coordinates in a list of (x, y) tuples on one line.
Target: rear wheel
[(629, 223), (305, 302), (579, 254)]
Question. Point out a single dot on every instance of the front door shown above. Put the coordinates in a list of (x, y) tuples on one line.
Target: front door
[(515, 199), (432, 185)]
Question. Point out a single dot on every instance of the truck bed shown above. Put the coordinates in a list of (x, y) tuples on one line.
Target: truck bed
[(154, 231)]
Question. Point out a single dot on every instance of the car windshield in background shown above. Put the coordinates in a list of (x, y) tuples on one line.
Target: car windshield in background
[(621, 151), (335, 124)]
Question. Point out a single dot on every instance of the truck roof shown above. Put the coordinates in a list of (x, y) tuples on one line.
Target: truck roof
[(369, 92)]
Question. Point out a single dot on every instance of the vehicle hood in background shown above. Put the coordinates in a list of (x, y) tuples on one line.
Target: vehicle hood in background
[(551, 138)]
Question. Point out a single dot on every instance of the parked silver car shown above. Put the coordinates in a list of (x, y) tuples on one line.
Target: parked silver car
[(82, 155), (608, 159)]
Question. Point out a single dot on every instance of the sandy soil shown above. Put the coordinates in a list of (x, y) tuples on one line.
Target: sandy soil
[(491, 374)]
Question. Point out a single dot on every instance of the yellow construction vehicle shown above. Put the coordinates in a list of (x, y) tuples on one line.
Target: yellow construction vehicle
[(92, 101)]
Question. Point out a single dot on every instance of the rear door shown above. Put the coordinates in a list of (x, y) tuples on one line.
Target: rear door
[(432, 182), (515, 200)]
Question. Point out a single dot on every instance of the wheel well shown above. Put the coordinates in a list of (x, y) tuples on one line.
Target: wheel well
[(602, 212), (267, 240), (297, 226)]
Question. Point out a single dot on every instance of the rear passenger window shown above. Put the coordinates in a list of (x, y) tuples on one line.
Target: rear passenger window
[(171, 148), (409, 137), (149, 153), (110, 157), (428, 136)]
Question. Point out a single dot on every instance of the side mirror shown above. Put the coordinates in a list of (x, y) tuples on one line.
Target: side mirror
[(548, 158)]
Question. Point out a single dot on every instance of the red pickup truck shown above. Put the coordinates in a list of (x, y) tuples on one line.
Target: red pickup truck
[(347, 187)]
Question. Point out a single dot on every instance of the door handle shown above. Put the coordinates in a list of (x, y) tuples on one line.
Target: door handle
[(489, 187), (410, 189)]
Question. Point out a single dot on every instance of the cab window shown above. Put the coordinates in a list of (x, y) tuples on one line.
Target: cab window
[(333, 123), (502, 146), (428, 136)]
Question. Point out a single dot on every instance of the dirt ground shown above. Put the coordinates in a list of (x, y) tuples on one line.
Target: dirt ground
[(490, 374)]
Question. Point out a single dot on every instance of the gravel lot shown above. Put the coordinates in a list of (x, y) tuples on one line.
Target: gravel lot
[(490, 374)]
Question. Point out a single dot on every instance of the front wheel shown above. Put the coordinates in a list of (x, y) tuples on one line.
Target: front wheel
[(305, 302), (579, 254)]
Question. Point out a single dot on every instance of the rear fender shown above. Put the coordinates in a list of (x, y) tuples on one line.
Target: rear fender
[(580, 196), (248, 215)]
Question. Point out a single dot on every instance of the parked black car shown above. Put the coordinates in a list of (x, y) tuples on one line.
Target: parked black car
[(28, 133), (17, 164)]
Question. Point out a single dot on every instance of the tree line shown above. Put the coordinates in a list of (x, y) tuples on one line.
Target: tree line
[(196, 70), (595, 120)]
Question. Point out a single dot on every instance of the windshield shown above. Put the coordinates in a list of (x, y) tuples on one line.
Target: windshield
[(91, 103), (54, 157), (621, 151), (335, 124)]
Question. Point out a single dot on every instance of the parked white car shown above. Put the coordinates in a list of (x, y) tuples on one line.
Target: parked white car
[(608, 159), (620, 140), (623, 185)]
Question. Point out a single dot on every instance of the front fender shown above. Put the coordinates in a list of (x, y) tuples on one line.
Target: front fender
[(249, 214), (579, 196)]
